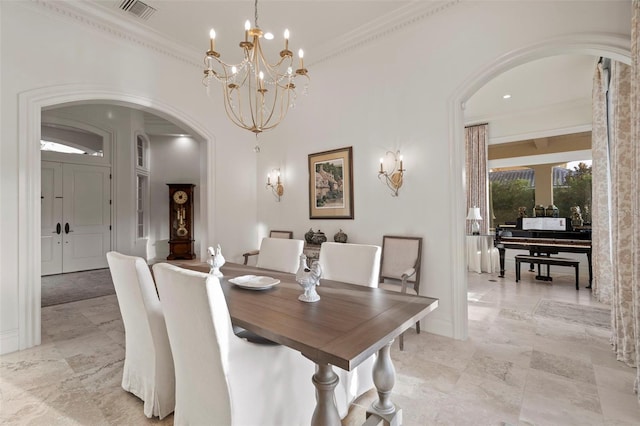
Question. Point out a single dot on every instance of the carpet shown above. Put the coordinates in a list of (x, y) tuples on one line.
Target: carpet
[(74, 286), (578, 314)]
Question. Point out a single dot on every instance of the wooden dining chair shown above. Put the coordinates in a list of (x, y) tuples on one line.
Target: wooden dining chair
[(400, 267), (272, 234), (148, 364), (220, 378)]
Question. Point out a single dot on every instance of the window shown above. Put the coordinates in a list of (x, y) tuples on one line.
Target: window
[(515, 187), (511, 189), (70, 140), (141, 153), (141, 196), (574, 190), (142, 186)]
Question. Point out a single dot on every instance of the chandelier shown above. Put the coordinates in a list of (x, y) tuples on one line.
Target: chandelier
[(257, 94)]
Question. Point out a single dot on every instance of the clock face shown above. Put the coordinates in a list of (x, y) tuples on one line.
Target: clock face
[(180, 197)]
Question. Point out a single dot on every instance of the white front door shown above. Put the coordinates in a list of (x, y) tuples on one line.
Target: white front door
[(84, 217), (51, 218)]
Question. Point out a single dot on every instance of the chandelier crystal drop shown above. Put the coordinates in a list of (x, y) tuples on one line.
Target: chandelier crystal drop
[(257, 94)]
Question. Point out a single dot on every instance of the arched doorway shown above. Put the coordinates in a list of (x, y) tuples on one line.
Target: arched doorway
[(31, 104), (592, 44)]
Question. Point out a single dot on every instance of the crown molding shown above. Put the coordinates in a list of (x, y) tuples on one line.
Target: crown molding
[(120, 26), (102, 19), (381, 27)]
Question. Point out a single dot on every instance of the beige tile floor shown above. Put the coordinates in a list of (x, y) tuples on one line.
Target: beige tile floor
[(516, 368)]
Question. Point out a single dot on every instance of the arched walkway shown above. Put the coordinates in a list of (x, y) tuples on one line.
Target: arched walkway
[(30, 105), (607, 45)]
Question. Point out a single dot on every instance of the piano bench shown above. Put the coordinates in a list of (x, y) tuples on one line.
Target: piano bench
[(546, 260)]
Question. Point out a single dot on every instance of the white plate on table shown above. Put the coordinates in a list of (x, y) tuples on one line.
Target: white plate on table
[(254, 282)]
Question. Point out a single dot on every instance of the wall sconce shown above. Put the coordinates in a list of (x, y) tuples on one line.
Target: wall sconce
[(394, 178), (277, 188)]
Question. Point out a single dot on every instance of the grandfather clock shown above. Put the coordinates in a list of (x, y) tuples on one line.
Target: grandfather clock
[(181, 221)]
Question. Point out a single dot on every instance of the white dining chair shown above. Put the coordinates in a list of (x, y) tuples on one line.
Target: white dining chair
[(148, 364), (272, 234), (350, 263), (280, 254), (357, 264), (220, 378)]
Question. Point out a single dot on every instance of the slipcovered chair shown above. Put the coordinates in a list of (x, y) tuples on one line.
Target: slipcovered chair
[(280, 254), (357, 264), (350, 263), (220, 378), (148, 363), (272, 234), (400, 265)]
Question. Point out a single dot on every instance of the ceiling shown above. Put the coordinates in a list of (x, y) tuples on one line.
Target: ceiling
[(312, 23), (562, 79), (321, 26)]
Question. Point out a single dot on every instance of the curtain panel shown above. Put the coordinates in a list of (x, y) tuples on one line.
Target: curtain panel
[(621, 212), (616, 196), (635, 182), (601, 187), (476, 141)]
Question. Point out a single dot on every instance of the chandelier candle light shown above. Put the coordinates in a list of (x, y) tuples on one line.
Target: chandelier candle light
[(257, 94)]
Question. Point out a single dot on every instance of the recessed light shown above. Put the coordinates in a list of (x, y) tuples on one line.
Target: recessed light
[(268, 36), (507, 96)]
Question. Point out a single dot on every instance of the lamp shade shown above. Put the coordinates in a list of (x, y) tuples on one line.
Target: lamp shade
[(474, 213)]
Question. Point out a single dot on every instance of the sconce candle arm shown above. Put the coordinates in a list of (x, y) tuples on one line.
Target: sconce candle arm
[(277, 188), (394, 178)]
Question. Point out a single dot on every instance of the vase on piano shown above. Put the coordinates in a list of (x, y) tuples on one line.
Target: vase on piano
[(576, 217)]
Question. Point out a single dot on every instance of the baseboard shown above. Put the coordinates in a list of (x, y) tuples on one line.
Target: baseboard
[(9, 341)]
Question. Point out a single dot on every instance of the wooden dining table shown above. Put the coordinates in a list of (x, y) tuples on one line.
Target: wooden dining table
[(345, 327)]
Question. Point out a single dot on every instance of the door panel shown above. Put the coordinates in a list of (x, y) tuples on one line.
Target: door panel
[(76, 217), (51, 216), (87, 211)]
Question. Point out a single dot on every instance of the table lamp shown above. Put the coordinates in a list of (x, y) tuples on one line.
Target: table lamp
[(474, 215)]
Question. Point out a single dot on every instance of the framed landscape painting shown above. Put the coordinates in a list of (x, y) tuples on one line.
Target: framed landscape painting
[(331, 184)]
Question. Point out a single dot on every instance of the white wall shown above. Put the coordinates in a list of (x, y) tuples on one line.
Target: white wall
[(44, 51), (395, 94)]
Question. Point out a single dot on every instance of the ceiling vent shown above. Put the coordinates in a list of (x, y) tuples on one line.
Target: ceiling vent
[(137, 8)]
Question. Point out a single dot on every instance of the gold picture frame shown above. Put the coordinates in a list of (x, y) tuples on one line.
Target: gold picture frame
[(331, 184)]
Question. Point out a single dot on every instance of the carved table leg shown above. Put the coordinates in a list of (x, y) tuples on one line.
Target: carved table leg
[(384, 377), (326, 412)]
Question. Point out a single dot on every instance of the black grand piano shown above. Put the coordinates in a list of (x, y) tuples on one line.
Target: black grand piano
[(544, 242)]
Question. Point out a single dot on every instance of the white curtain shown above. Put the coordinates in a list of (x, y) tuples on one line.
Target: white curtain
[(476, 141)]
